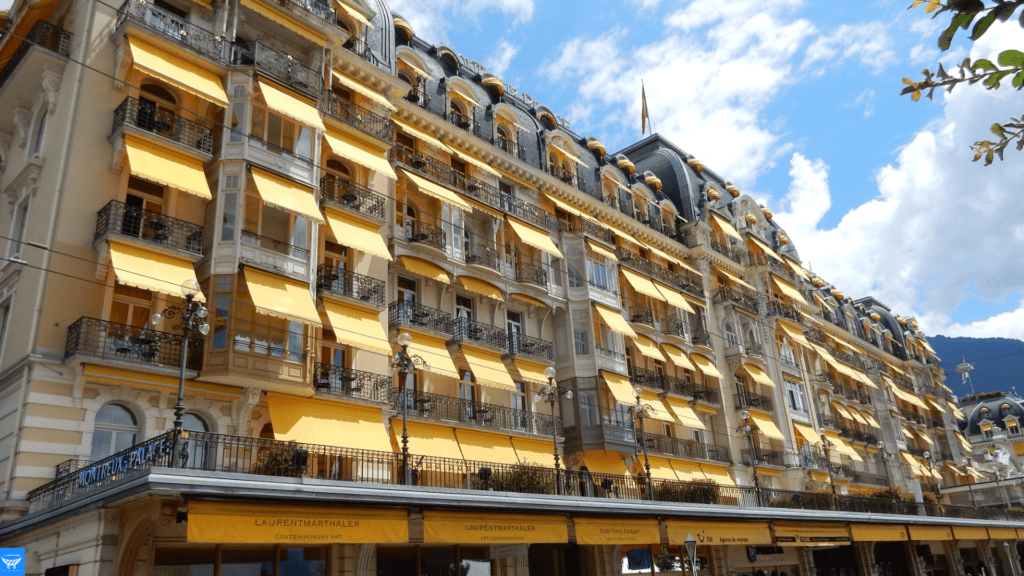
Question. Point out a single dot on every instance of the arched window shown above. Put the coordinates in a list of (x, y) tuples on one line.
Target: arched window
[(115, 429), (338, 168), (731, 338), (157, 110), (198, 454), (786, 352), (37, 144)]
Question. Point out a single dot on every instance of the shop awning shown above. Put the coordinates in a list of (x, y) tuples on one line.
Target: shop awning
[(642, 284), (251, 523), (420, 134), (287, 103), (318, 421), (765, 424), (724, 225), (733, 277), (764, 247), (357, 327), (437, 191), (758, 374), (534, 452), (488, 369), (684, 414), (534, 236), (615, 321), (794, 331), (281, 297), (970, 533), (601, 250), (435, 352), (425, 268), (486, 447), (353, 13), (789, 290), (870, 419), (808, 433), (660, 411), (617, 531), (161, 165), (482, 287), (429, 440), (647, 347), (355, 233), (797, 269), (363, 154), (362, 90), (842, 446), (619, 386), (293, 25), (286, 195), (809, 533), (706, 365), (178, 72), (674, 298), (678, 357), (605, 462), (448, 527), (151, 270), (476, 162), (531, 371), (719, 474), (1002, 533), (930, 532), (716, 533)]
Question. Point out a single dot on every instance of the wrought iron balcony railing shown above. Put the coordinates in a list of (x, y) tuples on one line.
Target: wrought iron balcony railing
[(870, 479), (42, 35), (776, 308), (351, 196), (438, 407), (339, 381), (119, 218), (737, 298), (764, 457), (530, 347), (733, 254), (374, 124), (677, 386), (426, 233), (686, 448), (341, 282), (532, 273), (419, 316), (276, 64), (281, 247), (638, 313), (147, 116), (480, 333), (94, 338), (568, 177), (669, 324), (634, 261), (483, 255), (701, 338), (461, 120), (644, 377), (747, 399), (510, 147), (707, 394), (147, 14), (360, 48), (829, 421)]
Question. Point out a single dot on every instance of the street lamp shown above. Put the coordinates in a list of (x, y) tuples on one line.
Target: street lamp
[(641, 411), (750, 431), (827, 445), (550, 393), (192, 316), (931, 472), (886, 457), (403, 363), (691, 552)]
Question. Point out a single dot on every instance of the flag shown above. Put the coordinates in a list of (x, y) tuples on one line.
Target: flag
[(643, 109)]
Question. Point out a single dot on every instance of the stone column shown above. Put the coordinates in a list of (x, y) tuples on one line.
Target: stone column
[(865, 552), (806, 562), (600, 561), (1011, 554), (916, 566), (718, 558), (956, 563), (985, 552)]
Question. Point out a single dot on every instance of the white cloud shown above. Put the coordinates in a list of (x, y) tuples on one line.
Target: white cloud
[(870, 43), (867, 100), (502, 56), (431, 19)]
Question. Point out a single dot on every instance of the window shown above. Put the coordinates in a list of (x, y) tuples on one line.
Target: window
[(143, 209), (786, 352), (220, 311), (581, 339), (230, 220), (588, 409), (795, 396), (986, 431), (116, 429), (273, 229), (279, 132), (37, 144), (5, 311), (131, 306), (18, 234), (157, 110), (1011, 425), (517, 400), (262, 334), (198, 454), (601, 275), (731, 338), (897, 430)]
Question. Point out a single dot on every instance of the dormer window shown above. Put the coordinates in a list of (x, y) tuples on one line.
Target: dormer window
[(1012, 427)]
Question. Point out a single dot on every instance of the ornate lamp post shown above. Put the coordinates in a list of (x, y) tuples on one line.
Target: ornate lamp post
[(827, 445), (750, 431), (192, 315), (931, 471), (886, 457), (550, 394), (641, 411), (403, 363), (691, 552)]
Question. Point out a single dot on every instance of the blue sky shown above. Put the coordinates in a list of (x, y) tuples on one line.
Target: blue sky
[(797, 103)]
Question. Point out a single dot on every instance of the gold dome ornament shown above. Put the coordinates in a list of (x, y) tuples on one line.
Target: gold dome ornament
[(595, 144), (817, 281), (695, 164), (874, 316), (732, 189), (494, 83), (713, 194), (767, 212), (750, 218), (902, 321), (626, 165), (402, 27), (913, 324), (837, 294), (783, 239), (653, 181)]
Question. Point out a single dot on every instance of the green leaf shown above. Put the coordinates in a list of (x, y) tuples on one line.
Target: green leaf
[(997, 130), (959, 21), (982, 26), (993, 81), (1018, 80), (984, 65), (1012, 58), (1004, 11)]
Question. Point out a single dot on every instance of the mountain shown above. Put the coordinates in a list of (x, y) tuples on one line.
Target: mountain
[(998, 362)]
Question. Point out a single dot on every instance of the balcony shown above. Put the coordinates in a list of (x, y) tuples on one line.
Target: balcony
[(360, 48), (677, 386), (147, 15), (348, 383), (567, 177), (829, 421), (427, 234), (369, 122), (706, 394), (510, 147), (870, 479), (746, 399), (737, 256), (94, 338), (776, 308), (274, 245), (638, 313), (119, 219), (438, 407), (278, 65), (353, 197), (764, 457), (686, 448), (530, 347), (737, 298), (701, 338), (646, 378), (485, 255), (625, 205), (340, 282), (462, 121), (532, 273), (672, 325), (754, 349), (467, 330), (648, 268), (146, 116), (420, 317)]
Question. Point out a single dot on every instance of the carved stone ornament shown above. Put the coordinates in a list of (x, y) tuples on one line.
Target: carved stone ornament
[(22, 122), (51, 87)]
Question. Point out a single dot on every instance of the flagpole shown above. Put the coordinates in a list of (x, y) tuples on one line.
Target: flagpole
[(644, 117)]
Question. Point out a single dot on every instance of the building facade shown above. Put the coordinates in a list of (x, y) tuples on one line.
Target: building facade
[(330, 181)]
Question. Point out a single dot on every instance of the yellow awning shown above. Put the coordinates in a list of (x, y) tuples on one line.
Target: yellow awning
[(486, 447), (856, 415), (642, 284), (841, 410), (620, 387), (531, 371), (603, 462), (478, 163), (482, 287), (601, 250), (353, 13), (318, 421), (647, 347), (428, 440), (956, 411), (121, 376), (617, 531), (934, 403), (355, 233), (674, 298), (260, 523), (165, 166), (964, 444), (438, 191), (808, 433), (995, 533), (678, 357), (425, 268), (567, 154), (357, 327), (287, 103), (720, 474), (985, 426), (363, 90), (797, 269), (534, 236), (151, 270), (707, 366), (764, 247), (789, 290), (842, 446), (970, 533), (765, 424), (684, 414), (565, 207), (435, 352), (909, 398), (930, 532), (687, 471), (177, 72), (661, 468), (363, 154), (421, 135), (615, 321), (733, 277), (724, 225), (415, 67), (534, 452), (488, 369), (448, 527), (793, 331), (660, 411), (293, 25), (718, 533), (809, 533), (281, 297), (870, 419), (927, 439), (758, 375), (286, 195)]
